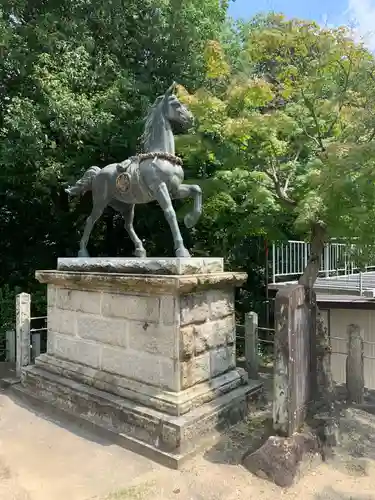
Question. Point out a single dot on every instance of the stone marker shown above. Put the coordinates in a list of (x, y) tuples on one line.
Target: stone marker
[(280, 459)]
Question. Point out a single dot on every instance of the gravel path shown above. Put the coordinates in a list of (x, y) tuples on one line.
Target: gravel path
[(45, 457)]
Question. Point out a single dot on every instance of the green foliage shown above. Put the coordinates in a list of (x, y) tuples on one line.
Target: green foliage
[(293, 128), (76, 80), (283, 138)]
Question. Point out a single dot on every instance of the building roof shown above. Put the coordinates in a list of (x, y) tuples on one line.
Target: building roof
[(359, 284)]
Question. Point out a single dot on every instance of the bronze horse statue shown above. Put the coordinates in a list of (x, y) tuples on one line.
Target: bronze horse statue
[(156, 174)]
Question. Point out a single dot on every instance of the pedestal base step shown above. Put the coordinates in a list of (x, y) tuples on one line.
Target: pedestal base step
[(161, 437)]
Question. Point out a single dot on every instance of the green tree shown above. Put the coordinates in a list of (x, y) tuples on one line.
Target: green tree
[(293, 130), (76, 80)]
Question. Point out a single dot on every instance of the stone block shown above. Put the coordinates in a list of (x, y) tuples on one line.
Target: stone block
[(107, 331), (142, 366), (136, 307), (187, 345), (147, 265), (169, 315), (170, 437), (77, 350), (62, 321), (194, 308), (203, 336), (221, 303), (195, 370), (222, 360), (154, 338), (78, 300), (51, 342), (212, 334), (51, 296)]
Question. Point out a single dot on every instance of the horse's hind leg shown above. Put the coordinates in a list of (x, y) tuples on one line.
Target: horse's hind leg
[(127, 212), (97, 211)]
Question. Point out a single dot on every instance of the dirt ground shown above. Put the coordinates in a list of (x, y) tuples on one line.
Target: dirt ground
[(44, 456)]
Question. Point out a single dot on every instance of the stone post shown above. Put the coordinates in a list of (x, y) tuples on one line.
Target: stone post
[(23, 301)]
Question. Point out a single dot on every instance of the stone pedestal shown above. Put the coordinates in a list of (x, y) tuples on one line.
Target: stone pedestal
[(148, 356)]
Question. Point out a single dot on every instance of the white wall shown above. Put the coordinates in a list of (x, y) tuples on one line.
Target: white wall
[(337, 321)]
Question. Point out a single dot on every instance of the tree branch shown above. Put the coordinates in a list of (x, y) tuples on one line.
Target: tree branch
[(343, 93), (310, 107), (280, 191)]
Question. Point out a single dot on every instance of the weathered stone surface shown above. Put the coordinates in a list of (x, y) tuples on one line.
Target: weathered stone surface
[(187, 344), (77, 350), (195, 370), (133, 307), (169, 310), (222, 360), (171, 437), (152, 369), (279, 459), (194, 308), (212, 334), (173, 403), (138, 338), (51, 296), (78, 300), (221, 303), (167, 266), (142, 284), (153, 338), (62, 321), (112, 331)]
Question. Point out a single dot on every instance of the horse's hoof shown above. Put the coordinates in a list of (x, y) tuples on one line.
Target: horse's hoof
[(190, 220), (182, 252), (83, 253), (140, 253)]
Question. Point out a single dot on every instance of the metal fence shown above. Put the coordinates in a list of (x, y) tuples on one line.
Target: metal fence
[(290, 259)]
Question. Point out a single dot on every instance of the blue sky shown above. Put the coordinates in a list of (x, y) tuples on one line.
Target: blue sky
[(359, 14), (306, 9)]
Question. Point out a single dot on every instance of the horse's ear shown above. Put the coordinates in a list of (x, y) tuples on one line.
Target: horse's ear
[(172, 89)]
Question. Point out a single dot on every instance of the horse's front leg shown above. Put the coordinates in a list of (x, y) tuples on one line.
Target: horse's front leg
[(162, 196), (195, 192)]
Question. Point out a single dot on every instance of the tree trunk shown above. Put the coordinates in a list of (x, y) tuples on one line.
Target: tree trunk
[(318, 239), (323, 410)]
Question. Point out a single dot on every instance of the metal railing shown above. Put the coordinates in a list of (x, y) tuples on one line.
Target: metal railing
[(290, 259)]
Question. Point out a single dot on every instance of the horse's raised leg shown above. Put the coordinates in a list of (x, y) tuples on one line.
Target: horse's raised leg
[(127, 212), (96, 213), (162, 196), (195, 192)]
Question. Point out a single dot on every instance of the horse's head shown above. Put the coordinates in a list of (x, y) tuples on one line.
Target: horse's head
[(174, 110)]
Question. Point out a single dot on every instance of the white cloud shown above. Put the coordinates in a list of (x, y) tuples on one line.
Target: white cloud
[(360, 16)]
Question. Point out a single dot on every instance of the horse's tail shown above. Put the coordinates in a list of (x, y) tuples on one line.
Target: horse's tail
[(84, 183)]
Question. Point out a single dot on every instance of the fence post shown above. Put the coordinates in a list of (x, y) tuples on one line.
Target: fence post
[(251, 344), (22, 331), (10, 343), (355, 379), (326, 260)]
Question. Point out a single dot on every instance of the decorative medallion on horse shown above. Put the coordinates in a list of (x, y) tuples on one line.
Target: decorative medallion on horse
[(156, 174)]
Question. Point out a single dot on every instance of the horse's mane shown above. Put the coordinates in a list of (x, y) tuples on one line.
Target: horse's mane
[(153, 120)]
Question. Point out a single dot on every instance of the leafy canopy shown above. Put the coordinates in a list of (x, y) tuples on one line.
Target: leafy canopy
[(291, 124)]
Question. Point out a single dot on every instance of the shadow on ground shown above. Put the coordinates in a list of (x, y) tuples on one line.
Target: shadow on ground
[(63, 420), (247, 435)]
